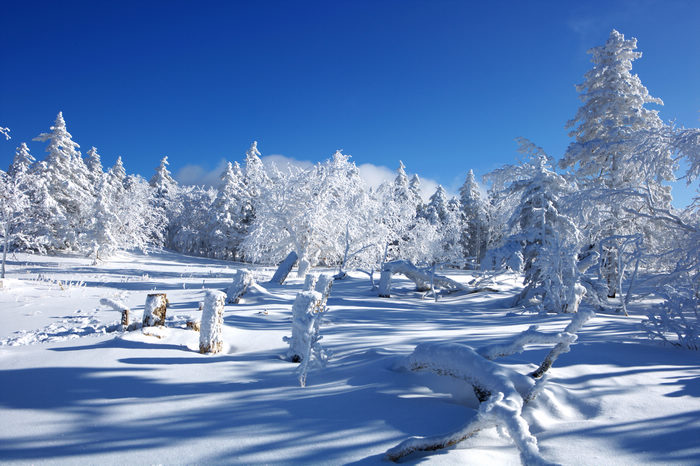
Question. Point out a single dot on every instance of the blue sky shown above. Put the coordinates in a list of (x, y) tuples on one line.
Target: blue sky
[(444, 86)]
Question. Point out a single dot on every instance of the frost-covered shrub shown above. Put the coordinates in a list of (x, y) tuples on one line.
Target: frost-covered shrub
[(211, 328), (675, 320)]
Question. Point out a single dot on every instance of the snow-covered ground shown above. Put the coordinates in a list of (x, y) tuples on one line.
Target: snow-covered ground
[(73, 392)]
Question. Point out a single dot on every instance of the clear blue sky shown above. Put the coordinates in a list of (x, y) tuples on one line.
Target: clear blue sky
[(444, 86)]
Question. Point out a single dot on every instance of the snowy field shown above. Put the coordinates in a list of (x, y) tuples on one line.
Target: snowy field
[(72, 392)]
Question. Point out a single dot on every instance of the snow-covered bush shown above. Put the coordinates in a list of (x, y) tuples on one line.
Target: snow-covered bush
[(676, 320), (211, 327)]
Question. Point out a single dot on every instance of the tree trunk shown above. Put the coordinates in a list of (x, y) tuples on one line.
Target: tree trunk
[(284, 268)]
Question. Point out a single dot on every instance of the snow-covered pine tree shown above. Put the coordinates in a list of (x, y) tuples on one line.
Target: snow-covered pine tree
[(414, 186), (94, 166), (399, 213), (550, 241), (188, 228), (68, 183), (15, 187), (22, 162), (228, 216), (620, 177), (475, 230), (165, 201), (443, 215)]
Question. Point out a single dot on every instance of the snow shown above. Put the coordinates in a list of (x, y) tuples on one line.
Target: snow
[(72, 390)]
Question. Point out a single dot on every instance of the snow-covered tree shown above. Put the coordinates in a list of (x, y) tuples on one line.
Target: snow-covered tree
[(549, 240), (474, 219), (165, 201), (606, 156), (188, 229), (94, 166), (67, 182), (15, 186), (443, 215), (304, 211), (229, 215)]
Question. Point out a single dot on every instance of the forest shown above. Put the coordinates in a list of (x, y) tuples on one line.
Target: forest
[(591, 225), (545, 242)]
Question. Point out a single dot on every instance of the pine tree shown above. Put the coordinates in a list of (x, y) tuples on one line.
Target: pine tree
[(67, 182), (94, 166), (474, 219), (623, 175), (227, 228), (165, 201), (549, 239)]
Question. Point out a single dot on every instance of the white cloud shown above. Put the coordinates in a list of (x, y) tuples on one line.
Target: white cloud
[(198, 175)]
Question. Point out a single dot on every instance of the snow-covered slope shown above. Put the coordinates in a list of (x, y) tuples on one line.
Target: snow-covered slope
[(72, 391)]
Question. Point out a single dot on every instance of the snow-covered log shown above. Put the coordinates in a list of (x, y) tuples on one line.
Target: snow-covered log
[(284, 268), (530, 336), (502, 391), (154, 310), (119, 307), (422, 277), (580, 318), (241, 281), (211, 328)]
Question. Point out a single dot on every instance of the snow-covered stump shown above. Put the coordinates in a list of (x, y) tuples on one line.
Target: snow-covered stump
[(154, 310), (119, 307), (241, 282), (284, 268), (307, 311), (211, 327), (323, 285), (310, 282), (384, 290)]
